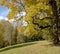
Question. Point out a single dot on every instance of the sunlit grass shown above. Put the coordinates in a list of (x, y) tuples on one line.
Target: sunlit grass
[(41, 47)]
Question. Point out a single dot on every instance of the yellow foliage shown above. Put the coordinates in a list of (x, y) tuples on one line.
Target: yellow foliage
[(30, 30), (2, 2), (20, 29)]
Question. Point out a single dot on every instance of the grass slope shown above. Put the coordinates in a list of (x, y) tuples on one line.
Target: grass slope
[(40, 47)]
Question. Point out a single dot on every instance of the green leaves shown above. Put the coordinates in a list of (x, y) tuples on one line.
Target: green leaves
[(30, 31), (40, 9)]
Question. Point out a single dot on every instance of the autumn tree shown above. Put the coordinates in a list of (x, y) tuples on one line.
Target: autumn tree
[(43, 8), (53, 7), (7, 34), (40, 16), (55, 10), (1, 35)]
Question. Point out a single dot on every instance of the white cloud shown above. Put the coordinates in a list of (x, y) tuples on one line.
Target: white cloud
[(25, 23), (6, 18), (23, 13), (11, 20), (3, 18)]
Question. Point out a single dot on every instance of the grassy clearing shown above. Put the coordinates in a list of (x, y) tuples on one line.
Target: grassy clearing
[(16, 46), (40, 47)]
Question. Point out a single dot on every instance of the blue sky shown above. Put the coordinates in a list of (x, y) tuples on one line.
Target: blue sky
[(3, 11)]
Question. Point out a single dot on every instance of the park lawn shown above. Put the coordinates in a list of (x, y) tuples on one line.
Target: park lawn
[(39, 47)]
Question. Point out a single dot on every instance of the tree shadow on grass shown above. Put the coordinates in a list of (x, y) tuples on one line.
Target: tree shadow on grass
[(16, 46), (51, 45)]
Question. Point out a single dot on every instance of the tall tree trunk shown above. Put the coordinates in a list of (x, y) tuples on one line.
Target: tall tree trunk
[(16, 32), (55, 22)]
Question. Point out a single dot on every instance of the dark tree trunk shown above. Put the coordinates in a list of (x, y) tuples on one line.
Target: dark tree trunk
[(16, 32), (55, 22)]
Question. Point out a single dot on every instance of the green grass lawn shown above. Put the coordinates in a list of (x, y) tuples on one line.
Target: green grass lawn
[(38, 47)]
